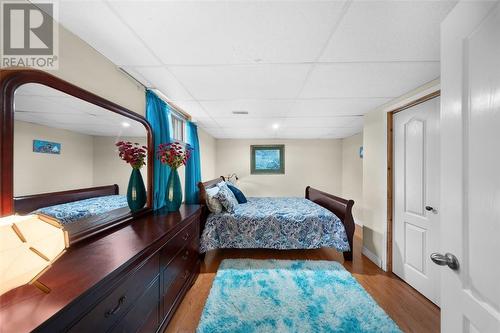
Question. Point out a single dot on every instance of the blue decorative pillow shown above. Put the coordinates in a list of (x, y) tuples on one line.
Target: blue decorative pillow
[(226, 197), (237, 193)]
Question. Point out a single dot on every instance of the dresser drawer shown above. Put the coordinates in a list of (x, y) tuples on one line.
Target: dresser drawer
[(177, 273), (144, 314), (179, 241), (112, 307)]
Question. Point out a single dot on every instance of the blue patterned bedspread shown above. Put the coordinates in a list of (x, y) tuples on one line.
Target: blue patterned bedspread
[(275, 223), (73, 211)]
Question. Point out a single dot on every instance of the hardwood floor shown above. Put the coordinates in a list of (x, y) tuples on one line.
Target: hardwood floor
[(410, 310)]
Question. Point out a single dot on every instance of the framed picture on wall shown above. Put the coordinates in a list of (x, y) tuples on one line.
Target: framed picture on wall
[(46, 147), (267, 159)]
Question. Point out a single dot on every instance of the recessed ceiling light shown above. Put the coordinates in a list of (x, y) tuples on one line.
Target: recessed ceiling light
[(125, 124), (276, 126)]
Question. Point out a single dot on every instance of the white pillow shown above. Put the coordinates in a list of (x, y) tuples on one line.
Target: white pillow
[(213, 203), (226, 197)]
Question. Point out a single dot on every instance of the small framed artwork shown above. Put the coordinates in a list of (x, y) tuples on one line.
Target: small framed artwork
[(267, 159), (46, 147)]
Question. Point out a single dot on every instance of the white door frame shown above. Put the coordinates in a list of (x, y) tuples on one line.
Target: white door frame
[(390, 172)]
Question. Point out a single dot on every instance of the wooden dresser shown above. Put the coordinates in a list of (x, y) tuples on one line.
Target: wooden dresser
[(126, 280)]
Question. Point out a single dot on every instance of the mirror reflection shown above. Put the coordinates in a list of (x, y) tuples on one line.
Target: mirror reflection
[(66, 159)]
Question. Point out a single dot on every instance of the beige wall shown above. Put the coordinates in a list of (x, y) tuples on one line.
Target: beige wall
[(40, 173), (208, 153), (375, 173), (307, 162), (108, 167), (85, 161), (352, 174)]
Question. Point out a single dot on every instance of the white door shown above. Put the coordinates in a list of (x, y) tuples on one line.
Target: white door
[(470, 167), (416, 197)]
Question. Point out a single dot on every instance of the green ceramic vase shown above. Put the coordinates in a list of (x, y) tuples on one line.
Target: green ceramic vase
[(174, 191), (136, 191)]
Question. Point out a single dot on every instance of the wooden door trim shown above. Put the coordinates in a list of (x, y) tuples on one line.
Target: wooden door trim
[(390, 171)]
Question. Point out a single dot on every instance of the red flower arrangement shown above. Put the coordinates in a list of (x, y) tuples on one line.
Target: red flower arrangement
[(173, 154), (132, 153)]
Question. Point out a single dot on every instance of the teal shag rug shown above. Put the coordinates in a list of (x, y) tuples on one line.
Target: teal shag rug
[(290, 296)]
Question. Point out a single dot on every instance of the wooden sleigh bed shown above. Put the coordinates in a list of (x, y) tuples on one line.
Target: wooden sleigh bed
[(342, 208), (84, 227)]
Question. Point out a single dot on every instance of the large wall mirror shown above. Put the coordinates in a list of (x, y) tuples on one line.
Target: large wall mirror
[(64, 158)]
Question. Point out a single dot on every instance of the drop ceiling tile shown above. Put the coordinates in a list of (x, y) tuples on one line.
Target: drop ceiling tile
[(303, 133), (388, 31), (38, 104), (248, 133), (95, 23), (341, 133), (368, 79), (206, 122), (53, 109), (222, 32), (321, 122), (242, 82), (216, 132), (243, 122), (138, 76), (255, 108), (193, 108), (160, 78), (335, 106)]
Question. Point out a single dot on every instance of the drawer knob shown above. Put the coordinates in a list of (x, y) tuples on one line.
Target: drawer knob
[(111, 312), (186, 236), (185, 255)]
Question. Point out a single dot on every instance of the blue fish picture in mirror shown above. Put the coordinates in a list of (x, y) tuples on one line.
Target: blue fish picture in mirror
[(268, 159), (46, 147)]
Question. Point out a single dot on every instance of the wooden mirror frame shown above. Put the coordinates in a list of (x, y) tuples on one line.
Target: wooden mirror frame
[(10, 81)]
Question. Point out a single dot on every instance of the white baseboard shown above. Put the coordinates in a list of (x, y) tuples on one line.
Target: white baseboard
[(370, 255)]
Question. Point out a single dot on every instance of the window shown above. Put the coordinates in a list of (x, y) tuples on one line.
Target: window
[(267, 159), (178, 126)]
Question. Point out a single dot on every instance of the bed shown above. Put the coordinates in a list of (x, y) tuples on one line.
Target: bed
[(318, 220), (80, 211), (71, 212)]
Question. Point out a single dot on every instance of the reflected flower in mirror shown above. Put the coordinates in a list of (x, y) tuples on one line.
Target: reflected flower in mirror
[(135, 155), (132, 153)]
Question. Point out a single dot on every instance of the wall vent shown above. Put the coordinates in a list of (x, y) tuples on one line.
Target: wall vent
[(240, 112)]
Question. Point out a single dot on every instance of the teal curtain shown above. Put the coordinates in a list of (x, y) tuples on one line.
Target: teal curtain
[(193, 166), (158, 115)]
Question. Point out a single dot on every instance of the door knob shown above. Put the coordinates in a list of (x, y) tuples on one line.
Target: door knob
[(430, 209), (447, 259)]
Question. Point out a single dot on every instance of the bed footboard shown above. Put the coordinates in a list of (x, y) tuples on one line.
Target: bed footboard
[(340, 207)]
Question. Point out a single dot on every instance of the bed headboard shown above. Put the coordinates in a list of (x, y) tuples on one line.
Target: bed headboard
[(28, 203), (203, 186)]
